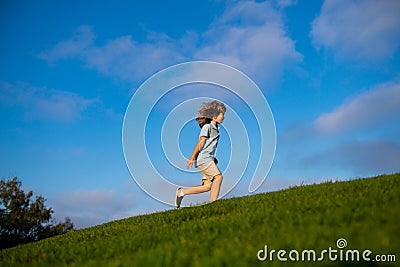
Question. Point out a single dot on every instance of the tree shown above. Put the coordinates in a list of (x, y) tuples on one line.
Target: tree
[(23, 219)]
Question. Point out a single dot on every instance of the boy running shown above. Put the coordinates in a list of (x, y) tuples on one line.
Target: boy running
[(210, 115)]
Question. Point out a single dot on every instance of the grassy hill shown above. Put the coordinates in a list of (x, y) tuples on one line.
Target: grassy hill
[(230, 232)]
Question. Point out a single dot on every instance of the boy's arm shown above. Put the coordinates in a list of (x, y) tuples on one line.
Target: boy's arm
[(196, 151)]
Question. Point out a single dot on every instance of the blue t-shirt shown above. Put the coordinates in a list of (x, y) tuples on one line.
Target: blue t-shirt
[(206, 154)]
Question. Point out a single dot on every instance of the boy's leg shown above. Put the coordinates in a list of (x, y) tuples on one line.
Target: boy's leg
[(198, 189), (215, 187)]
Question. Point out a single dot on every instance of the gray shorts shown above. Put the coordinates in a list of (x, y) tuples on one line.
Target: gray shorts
[(208, 170)]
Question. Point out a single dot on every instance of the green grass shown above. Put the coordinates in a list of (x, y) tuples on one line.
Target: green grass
[(230, 232)]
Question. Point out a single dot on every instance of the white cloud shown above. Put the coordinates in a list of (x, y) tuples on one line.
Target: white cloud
[(122, 57), (131, 61), (93, 200), (251, 36), (41, 103), (87, 208), (361, 158), (361, 30), (286, 3), (248, 35), (81, 40), (357, 138), (368, 109)]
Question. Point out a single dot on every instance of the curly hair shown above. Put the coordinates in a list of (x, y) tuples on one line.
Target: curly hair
[(208, 111)]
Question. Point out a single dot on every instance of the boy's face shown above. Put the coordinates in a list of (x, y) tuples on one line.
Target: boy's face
[(220, 118)]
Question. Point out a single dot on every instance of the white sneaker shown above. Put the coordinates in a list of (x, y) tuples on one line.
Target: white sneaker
[(178, 197)]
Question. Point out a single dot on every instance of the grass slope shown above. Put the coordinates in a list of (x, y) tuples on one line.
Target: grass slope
[(230, 232)]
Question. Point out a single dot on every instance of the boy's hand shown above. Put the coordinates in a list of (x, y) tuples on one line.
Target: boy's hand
[(196, 151), (189, 163)]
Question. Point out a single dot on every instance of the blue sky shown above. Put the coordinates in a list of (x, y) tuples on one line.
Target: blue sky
[(328, 69)]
